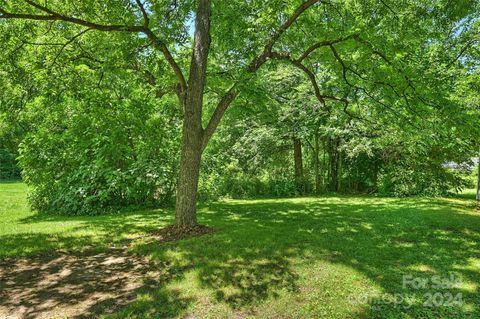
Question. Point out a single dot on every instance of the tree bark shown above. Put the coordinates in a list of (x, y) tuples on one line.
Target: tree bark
[(189, 172), (478, 179), (334, 164), (298, 163), (316, 161), (329, 163), (192, 131), (339, 171), (324, 163)]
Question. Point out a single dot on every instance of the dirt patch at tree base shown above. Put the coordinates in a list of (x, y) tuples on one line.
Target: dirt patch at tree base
[(174, 233), (81, 285), (71, 285)]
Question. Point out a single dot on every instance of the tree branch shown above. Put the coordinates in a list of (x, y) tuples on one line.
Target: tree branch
[(399, 70), (253, 67), (159, 45), (55, 16), (346, 68), (468, 45), (298, 64), (323, 44), (69, 42), (388, 7), (217, 115), (146, 20), (262, 58), (51, 15)]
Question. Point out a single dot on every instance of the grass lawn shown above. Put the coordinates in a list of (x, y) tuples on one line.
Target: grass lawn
[(326, 257)]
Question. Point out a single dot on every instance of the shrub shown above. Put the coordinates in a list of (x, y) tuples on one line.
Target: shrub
[(85, 158), (8, 166)]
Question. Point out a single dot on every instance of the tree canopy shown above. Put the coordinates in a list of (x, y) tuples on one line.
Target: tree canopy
[(110, 101)]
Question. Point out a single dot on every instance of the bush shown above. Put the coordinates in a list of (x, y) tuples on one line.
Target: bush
[(233, 182), (8, 166), (429, 180), (91, 159)]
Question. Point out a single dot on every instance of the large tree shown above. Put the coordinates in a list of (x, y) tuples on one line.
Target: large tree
[(373, 47)]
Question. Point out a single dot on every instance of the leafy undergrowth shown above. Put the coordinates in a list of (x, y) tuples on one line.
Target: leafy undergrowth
[(326, 257)]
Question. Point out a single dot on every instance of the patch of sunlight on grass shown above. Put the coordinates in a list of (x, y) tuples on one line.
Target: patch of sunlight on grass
[(471, 287), (422, 268), (472, 264), (324, 290)]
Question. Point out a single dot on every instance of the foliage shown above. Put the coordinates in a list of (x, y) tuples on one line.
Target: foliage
[(420, 180), (379, 95), (98, 150), (8, 166)]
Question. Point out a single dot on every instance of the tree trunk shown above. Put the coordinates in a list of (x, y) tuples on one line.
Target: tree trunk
[(185, 209), (325, 167), (298, 163), (335, 159), (192, 131), (329, 173), (339, 171), (478, 180), (316, 161), (333, 165)]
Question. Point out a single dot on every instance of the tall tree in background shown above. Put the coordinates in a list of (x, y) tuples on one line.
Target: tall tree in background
[(372, 46), (478, 178), (298, 163)]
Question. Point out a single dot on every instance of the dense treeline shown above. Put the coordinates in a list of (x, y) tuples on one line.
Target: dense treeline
[(294, 148), (105, 109)]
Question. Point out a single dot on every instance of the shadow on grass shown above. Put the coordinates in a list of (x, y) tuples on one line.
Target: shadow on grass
[(253, 257), (80, 233), (81, 285)]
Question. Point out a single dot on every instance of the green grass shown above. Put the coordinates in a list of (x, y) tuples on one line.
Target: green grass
[(24, 232), (326, 257)]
